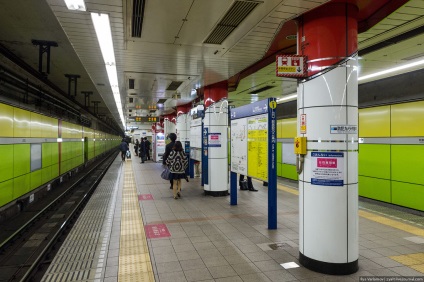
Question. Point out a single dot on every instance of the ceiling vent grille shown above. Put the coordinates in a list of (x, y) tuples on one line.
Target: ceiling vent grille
[(174, 85), (237, 13), (137, 17), (161, 101), (262, 89)]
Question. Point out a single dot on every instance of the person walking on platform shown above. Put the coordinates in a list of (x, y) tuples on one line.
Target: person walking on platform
[(142, 150), (123, 147), (177, 162), (136, 147), (249, 184), (147, 147), (168, 149)]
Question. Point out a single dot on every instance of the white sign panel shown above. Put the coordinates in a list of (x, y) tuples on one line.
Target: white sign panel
[(214, 140), (343, 129), (327, 168), (239, 146)]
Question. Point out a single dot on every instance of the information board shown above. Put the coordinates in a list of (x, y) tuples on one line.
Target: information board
[(239, 146), (257, 147)]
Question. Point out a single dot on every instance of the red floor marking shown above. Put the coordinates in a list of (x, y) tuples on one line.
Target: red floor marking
[(143, 197), (156, 231)]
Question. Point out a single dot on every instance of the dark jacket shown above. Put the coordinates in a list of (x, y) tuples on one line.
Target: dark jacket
[(177, 161), (123, 147), (168, 149)]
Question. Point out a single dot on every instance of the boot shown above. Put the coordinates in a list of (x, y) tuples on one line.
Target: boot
[(253, 189)]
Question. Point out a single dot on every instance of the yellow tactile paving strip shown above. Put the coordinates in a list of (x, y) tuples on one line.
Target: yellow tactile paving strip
[(415, 261), (134, 258)]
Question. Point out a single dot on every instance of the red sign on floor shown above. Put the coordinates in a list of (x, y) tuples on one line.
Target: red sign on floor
[(143, 197), (156, 231)]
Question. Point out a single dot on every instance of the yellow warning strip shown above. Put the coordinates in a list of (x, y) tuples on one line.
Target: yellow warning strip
[(134, 258), (370, 216), (415, 261)]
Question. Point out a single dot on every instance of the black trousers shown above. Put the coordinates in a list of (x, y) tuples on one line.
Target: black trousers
[(249, 181)]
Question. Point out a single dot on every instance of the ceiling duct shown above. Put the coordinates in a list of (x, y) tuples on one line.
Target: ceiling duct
[(174, 85), (262, 89), (137, 17), (232, 19)]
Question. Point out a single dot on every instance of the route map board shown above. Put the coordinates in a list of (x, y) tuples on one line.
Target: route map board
[(239, 146), (253, 149), (257, 147)]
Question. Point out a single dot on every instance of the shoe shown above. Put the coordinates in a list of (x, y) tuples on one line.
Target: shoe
[(170, 187), (253, 189), (179, 195), (186, 179), (175, 198)]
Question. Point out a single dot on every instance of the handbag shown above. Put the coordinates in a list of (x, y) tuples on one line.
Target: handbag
[(165, 173), (128, 154)]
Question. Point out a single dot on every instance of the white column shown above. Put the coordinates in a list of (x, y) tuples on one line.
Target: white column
[(183, 127), (169, 127), (328, 234), (216, 120)]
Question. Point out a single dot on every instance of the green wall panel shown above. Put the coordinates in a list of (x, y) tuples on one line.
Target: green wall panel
[(408, 195), (279, 169), (374, 160), (408, 164), (279, 150), (21, 159), (55, 170), (46, 174), (374, 188), (6, 192), (55, 153), (21, 185), (6, 164), (289, 171), (46, 154), (35, 179)]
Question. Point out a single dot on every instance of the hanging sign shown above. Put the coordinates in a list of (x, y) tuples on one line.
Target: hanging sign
[(291, 66)]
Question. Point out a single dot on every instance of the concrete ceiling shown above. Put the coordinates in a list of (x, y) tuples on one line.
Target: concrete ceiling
[(171, 47)]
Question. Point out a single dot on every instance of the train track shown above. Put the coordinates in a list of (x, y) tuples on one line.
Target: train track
[(38, 232)]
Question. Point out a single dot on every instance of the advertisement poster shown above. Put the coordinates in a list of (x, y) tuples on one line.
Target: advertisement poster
[(327, 168)]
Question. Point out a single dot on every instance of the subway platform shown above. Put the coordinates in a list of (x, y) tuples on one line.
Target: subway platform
[(133, 230)]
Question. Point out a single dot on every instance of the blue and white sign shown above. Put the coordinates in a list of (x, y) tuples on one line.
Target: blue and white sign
[(327, 168), (257, 108)]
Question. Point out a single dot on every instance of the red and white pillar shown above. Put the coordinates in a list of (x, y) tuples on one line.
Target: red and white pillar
[(216, 121), (328, 196)]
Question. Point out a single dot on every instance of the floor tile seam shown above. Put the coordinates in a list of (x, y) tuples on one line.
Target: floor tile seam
[(371, 216), (135, 222), (392, 223)]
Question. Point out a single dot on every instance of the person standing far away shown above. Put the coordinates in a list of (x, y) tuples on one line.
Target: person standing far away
[(177, 162), (136, 147), (168, 149), (142, 150), (123, 147), (147, 147)]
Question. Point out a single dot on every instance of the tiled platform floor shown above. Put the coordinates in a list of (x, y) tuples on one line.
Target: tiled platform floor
[(209, 240)]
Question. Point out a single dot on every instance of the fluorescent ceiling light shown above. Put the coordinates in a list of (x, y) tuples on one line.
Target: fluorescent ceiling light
[(287, 98), (77, 5), (421, 62), (104, 36)]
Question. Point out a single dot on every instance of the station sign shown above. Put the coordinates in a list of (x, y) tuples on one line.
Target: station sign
[(291, 66)]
